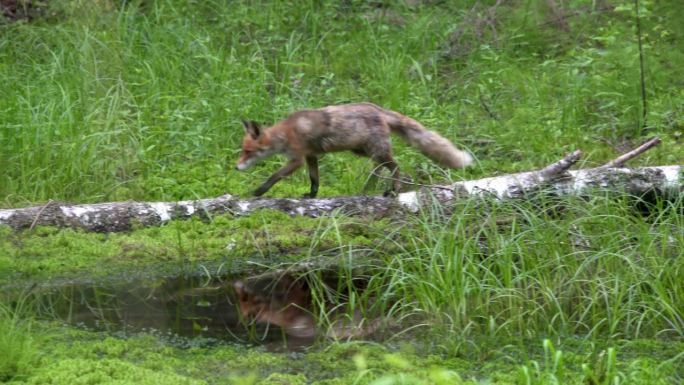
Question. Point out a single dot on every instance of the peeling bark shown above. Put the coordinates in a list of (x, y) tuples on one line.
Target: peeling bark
[(666, 181)]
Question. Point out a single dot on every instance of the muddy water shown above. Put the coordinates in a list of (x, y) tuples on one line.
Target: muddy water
[(187, 306)]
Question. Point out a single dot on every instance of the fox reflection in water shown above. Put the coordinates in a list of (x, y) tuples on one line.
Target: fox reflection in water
[(288, 303)]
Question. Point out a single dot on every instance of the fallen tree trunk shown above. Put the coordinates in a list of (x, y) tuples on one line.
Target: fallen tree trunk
[(665, 181), (123, 216)]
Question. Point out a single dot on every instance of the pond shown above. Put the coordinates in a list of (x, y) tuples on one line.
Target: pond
[(274, 309)]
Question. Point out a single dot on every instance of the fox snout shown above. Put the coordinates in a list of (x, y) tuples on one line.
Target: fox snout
[(244, 161), (249, 158), (244, 164)]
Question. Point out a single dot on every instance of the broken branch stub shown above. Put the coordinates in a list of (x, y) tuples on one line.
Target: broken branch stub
[(560, 167), (622, 159)]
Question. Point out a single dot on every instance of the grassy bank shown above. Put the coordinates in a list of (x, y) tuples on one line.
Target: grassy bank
[(473, 294)]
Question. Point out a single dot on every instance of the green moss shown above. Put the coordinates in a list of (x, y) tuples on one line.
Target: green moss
[(50, 252), (69, 356), (104, 371), (280, 378)]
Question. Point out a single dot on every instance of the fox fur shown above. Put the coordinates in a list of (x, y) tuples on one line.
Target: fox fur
[(362, 128)]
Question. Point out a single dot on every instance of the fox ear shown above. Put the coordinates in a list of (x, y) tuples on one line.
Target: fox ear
[(252, 128)]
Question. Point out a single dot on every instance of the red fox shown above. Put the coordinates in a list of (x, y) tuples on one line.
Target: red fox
[(362, 128), (287, 302)]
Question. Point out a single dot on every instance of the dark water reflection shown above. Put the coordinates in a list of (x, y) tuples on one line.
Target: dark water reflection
[(186, 306)]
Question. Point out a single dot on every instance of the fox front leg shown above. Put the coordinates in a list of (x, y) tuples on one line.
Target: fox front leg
[(286, 170), (312, 164)]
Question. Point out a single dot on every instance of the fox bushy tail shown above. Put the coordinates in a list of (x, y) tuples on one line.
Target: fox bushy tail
[(430, 143)]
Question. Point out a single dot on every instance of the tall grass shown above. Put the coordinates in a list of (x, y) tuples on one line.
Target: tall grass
[(599, 271), (593, 269), (18, 345), (142, 100)]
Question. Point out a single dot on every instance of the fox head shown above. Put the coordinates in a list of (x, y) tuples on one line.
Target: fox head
[(255, 146)]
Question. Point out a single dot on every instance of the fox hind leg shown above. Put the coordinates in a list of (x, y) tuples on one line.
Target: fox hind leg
[(389, 162), (372, 179), (381, 153)]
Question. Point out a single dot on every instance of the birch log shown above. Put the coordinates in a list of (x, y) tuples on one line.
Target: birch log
[(666, 181)]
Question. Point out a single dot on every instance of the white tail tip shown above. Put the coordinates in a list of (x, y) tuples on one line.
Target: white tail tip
[(467, 158)]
